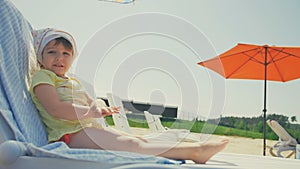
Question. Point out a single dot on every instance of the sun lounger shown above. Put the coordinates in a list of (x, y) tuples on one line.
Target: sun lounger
[(286, 141), (121, 121), (159, 133), (154, 122), (156, 126)]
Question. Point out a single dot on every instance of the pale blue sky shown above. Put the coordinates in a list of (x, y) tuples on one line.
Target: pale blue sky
[(223, 23)]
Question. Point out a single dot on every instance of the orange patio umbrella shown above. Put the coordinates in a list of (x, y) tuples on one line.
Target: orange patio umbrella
[(258, 62)]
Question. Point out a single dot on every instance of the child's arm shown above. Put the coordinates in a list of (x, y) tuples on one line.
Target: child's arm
[(49, 98)]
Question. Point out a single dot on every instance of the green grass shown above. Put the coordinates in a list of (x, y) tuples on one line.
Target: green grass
[(202, 127), (197, 127)]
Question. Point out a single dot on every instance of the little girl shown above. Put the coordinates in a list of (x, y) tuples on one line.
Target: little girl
[(69, 115)]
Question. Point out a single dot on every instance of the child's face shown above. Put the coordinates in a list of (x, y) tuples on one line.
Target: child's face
[(57, 58)]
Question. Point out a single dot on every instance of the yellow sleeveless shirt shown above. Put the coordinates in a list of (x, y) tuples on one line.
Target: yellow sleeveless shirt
[(69, 90)]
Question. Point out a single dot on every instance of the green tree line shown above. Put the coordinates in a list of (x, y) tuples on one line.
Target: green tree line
[(251, 127), (255, 124)]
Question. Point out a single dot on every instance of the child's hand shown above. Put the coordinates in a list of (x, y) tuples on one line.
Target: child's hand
[(101, 110), (108, 111), (95, 109)]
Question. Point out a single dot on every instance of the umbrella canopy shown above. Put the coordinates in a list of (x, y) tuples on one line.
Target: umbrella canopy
[(257, 62)]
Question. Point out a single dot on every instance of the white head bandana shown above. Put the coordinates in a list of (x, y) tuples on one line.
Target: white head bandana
[(42, 37)]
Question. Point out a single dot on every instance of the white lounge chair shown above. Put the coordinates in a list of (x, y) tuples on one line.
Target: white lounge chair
[(121, 123), (159, 133), (151, 121), (120, 120), (286, 141), (156, 126)]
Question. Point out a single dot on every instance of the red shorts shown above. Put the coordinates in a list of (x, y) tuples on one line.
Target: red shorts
[(66, 138)]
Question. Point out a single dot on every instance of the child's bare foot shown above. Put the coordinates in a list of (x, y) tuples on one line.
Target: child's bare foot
[(207, 150)]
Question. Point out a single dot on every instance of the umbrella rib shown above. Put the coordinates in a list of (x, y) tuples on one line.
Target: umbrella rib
[(275, 64), (278, 52), (253, 57), (289, 54), (245, 53), (250, 58), (238, 68), (239, 53), (281, 58)]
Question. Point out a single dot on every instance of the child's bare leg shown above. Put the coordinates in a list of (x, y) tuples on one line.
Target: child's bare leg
[(112, 140), (205, 151)]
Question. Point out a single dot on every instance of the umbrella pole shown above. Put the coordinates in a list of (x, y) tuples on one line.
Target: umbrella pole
[(264, 116), (265, 102)]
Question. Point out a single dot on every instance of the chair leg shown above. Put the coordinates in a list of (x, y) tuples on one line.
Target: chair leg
[(272, 153), (292, 153), (278, 153)]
